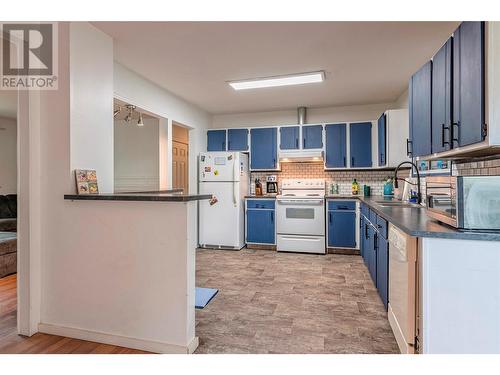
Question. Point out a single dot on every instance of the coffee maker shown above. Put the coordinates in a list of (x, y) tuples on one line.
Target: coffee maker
[(272, 184)]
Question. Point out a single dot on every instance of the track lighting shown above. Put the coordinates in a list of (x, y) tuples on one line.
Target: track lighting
[(140, 122)]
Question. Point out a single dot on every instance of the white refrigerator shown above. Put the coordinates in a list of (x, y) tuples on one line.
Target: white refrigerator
[(225, 176)]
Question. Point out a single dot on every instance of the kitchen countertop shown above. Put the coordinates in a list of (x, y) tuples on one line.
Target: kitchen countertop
[(273, 196), (416, 223), (154, 196)]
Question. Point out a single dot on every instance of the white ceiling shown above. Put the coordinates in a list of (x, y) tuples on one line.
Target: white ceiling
[(365, 62)]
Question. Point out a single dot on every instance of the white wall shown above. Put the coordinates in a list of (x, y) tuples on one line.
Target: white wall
[(402, 101), (314, 115), (103, 269), (91, 70), (132, 88), (8, 156), (137, 156)]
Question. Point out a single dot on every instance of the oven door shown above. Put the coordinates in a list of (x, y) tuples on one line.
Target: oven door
[(300, 216)]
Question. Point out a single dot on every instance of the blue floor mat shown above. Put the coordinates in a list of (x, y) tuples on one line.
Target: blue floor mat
[(203, 296)]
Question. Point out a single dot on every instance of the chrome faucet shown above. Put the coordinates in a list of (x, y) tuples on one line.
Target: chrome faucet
[(419, 196)]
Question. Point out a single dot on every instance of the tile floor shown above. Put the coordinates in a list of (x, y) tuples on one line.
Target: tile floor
[(271, 302)]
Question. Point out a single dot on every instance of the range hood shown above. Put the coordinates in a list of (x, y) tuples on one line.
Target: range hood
[(301, 155)]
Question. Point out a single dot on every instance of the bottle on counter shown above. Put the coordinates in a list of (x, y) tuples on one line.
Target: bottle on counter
[(258, 187), (355, 187)]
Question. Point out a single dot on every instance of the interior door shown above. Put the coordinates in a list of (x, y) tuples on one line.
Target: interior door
[(180, 166)]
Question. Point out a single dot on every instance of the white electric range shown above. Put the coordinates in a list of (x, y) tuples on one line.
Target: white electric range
[(300, 216)]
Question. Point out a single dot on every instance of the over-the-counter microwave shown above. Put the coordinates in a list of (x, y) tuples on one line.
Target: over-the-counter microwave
[(465, 202)]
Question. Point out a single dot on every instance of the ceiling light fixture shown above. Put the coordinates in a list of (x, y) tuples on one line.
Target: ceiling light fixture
[(286, 80)]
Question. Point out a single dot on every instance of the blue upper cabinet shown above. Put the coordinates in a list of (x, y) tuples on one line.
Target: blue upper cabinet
[(312, 136), (468, 84), (420, 94), (289, 138), (441, 98), (335, 155), (263, 148), (216, 140), (382, 140), (361, 144), (237, 140)]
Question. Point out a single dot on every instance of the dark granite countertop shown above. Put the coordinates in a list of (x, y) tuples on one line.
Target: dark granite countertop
[(415, 222), (153, 196), (268, 196)]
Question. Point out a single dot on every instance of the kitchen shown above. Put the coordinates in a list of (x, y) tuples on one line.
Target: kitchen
[(354, 214), (347, 188)]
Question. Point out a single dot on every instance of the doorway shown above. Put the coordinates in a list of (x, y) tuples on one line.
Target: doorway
[(8, 213), (180, 157)]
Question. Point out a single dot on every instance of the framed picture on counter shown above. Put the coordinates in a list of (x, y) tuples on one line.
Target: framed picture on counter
[(86, 181)]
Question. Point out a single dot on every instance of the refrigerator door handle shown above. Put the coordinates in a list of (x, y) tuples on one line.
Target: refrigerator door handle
[(235, 173)]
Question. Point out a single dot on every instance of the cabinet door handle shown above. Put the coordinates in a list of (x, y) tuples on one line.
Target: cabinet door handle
[(304, 143), (296, 143), (352, 161), (455, 136), (272, 216), (408, 151), (229, 145), (344, 162), (443, 142), (366, 232), (330, 217)]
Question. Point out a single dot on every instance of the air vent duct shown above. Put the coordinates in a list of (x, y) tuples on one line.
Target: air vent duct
[(301, 115)]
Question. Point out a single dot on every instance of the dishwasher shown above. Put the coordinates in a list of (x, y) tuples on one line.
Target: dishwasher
[(403, 288)]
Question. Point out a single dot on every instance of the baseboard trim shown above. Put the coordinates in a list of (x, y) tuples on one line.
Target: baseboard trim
[(126, 342)]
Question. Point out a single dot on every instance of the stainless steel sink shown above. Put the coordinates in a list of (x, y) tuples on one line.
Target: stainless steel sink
[(398, 204)]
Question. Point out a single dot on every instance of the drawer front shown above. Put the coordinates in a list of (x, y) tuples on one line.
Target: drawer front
[(372, 217), (382, 226), (261, 203), (334, 205), (302, 244)]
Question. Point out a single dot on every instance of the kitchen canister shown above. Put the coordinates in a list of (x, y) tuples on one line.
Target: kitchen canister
[(366, 190)]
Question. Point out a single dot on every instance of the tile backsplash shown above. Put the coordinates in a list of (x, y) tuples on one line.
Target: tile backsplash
[(375, 179)]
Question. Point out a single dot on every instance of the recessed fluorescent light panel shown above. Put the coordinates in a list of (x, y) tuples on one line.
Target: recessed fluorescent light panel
[(291, 79)]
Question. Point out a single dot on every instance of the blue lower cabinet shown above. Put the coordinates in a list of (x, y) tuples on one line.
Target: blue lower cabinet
[(383, 269), (362, 236), (371, 250), (342, 229), (260, 223)]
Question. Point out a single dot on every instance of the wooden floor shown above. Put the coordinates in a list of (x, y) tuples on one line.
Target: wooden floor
[(271, 302), (11, 342)]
